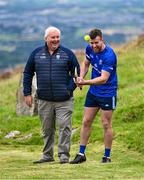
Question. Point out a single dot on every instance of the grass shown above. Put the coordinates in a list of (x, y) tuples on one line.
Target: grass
[(16, 163), (16, 155)]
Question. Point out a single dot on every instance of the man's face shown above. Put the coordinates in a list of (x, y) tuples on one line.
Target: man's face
[(97, 44), (53, 40)]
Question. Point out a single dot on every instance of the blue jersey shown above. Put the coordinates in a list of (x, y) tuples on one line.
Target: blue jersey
[(107, 61)]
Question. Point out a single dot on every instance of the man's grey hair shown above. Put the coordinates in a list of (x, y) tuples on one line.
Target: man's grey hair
[(51, 28)]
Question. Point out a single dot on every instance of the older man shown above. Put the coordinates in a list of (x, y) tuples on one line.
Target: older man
[(54, 66)]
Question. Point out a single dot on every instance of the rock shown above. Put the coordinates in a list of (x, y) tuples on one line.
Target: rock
[(21, 107), (74, 131), (12, 134), (26, 137)]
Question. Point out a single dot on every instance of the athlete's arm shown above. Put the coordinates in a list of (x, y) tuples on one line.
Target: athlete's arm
[(84, 68), (96, 81), (83, 71)]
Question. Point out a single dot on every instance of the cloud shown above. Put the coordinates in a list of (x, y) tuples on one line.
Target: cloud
[(3, 2)]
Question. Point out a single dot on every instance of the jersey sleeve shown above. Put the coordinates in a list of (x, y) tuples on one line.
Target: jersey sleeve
[(109, 64), (87, 53)]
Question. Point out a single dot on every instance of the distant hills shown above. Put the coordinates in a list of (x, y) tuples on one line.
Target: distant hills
[(22, 23)]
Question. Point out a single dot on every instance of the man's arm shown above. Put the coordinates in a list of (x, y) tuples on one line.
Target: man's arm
[(84, 68), (96, 81), (27, 80), (83, 71)]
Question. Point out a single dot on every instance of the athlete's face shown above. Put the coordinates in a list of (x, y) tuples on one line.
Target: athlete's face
[(97, 44), (53, 40)]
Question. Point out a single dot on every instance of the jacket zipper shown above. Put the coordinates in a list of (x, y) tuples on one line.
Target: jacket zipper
[(51, 88)]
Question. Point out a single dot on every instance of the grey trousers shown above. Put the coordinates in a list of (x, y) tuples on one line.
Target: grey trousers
[(52, 113)]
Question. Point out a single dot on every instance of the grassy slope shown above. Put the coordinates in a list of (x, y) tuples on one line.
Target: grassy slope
[(128, 120)]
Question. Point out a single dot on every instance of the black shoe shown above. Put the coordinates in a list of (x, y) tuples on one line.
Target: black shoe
[(78, 159), (43, 161), (106, 159)]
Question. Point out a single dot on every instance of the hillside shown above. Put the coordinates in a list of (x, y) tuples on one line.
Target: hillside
[(23, 25), (130, 110), (128, 123)]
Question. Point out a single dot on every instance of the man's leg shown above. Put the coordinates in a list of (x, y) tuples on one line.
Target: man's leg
[(46, 113), (89, 115), (106, 118), (63, 112)]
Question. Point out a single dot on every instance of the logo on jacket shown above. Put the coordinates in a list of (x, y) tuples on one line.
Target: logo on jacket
[(43, 56), (111, 68), (58, 56), (91, 56), (100, 62)]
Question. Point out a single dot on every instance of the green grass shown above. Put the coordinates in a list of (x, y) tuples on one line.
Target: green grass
[(16, 155), (16, 163)]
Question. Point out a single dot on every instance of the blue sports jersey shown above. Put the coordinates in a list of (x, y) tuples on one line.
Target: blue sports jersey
[(107, 61)]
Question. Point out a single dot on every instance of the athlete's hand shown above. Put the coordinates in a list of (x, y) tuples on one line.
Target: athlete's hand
[(80, 81)]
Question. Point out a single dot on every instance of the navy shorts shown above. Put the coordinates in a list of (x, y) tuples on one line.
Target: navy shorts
[(105, 103)]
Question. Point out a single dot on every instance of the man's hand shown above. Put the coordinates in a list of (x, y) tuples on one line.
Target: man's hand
[(80, 81), (28, 100), (76, 82)]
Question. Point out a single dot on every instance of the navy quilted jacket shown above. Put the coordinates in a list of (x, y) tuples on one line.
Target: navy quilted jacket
[(54, 73)]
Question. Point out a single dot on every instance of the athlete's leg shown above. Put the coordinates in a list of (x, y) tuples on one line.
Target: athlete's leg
[(89, 115), (106, 118)]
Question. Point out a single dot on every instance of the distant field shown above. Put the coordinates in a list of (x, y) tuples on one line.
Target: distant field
[(23, 25)]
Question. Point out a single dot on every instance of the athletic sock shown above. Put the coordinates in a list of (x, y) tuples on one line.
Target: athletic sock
[(82, 149), (107, 152)]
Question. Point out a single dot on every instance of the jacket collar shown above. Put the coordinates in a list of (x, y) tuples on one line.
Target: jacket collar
[(46, 47)]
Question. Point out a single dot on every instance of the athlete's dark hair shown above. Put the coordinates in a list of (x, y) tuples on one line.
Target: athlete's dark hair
[(94, 33)]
